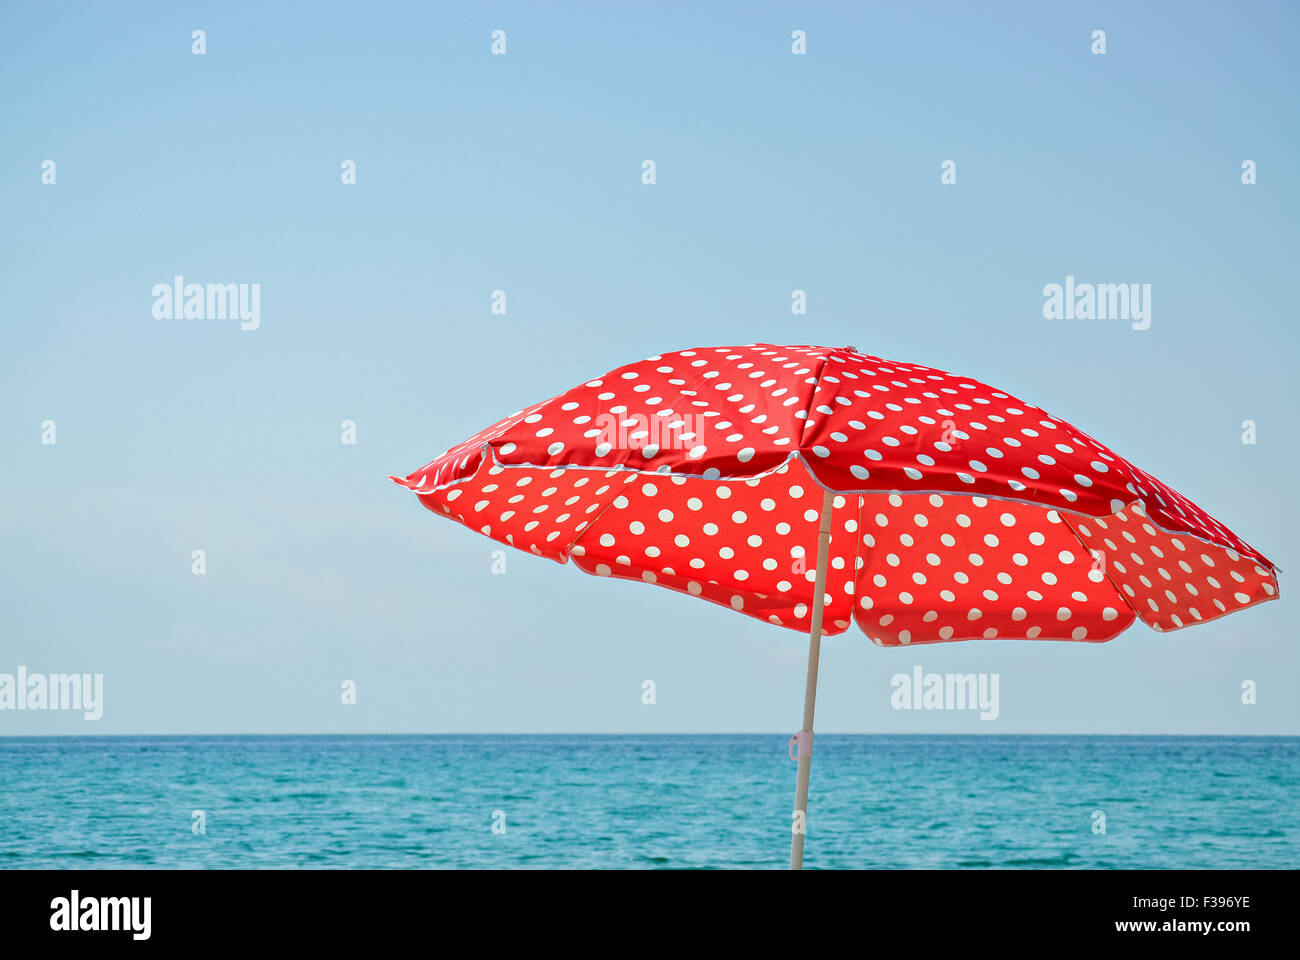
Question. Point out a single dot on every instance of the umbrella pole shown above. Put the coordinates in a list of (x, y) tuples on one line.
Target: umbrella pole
[(804, 738)]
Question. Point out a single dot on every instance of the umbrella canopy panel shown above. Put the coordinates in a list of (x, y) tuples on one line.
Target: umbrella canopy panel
[(960, 511)]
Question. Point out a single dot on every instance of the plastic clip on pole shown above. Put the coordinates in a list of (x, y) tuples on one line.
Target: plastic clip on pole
[(801, 745)]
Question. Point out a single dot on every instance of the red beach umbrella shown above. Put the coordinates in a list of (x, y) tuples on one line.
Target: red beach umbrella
[(817, 488)]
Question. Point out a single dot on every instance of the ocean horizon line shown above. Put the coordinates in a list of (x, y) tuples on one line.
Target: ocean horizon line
[(659, 735)]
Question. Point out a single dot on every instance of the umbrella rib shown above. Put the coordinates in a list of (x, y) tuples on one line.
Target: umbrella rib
[(1106, 568), (857, 553), (585, 530), (812, 398)]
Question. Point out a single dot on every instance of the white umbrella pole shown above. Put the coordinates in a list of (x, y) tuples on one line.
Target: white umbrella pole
[(804, 738)]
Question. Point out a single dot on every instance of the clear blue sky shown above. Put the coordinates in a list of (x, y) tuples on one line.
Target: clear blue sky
[(523, 173)]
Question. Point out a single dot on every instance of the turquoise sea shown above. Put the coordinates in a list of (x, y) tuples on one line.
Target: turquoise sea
[(659, 801)]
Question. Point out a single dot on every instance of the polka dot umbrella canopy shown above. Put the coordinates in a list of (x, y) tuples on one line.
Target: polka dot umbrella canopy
[(819, 488)]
